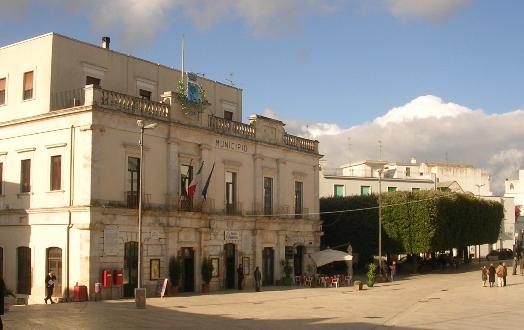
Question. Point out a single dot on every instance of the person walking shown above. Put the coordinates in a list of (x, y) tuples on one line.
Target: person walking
[(393, 270), (258, 278), (500, 275), (484, 271), (2, 295), (491, 275), (515, 264), (240, 273), (50, 285), (505, 273)]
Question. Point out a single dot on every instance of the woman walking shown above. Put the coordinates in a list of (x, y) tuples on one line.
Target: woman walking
[(491, 275), (484, 270)]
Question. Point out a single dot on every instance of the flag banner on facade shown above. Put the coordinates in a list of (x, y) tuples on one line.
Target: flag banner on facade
[(204, 191), (193, 185), (193, 91)]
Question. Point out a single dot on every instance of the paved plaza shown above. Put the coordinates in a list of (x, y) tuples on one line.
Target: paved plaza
[(432, 301)]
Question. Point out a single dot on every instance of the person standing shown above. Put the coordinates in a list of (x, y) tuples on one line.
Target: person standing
[(258, 279), (491, 275), (50, 285), (393, 270), (484, 275), (500, 275), (240, 273), (505, 273), (2, 295), (515, 264)]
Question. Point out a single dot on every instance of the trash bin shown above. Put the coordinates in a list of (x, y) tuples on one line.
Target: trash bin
[(80, 293)]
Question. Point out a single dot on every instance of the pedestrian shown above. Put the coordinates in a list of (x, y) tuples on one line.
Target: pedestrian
[(393, 270), (258, 279), (515, 264), (484, 270), (500, 275), (50, 280), (240, 273), (491, 275), (521, 264), (2, 295), (505, 273)]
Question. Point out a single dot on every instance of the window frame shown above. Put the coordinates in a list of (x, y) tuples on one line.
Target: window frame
[(335, 186), (361, 190), (298, 201), (33, 92), (52, 179), (23, 177), (392, 189), (5, 90), (268, 205), (228, 112)]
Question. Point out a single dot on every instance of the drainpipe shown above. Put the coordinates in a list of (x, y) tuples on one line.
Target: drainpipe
[(71, 186)]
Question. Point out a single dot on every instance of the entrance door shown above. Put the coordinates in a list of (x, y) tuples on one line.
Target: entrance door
[(268, 256), (189, 269), (298, 260), (54, 264), (130, 268), (229, 253)]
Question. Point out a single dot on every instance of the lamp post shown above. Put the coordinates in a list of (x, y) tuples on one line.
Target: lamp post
[(140, 294), (380, 220)]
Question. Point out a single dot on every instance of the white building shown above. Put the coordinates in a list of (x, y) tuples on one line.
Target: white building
[(515, 189), (70, 165)]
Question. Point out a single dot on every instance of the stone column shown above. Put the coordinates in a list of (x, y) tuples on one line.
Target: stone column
[(280, 254), (258, 184), (173, 172), (279, 186)]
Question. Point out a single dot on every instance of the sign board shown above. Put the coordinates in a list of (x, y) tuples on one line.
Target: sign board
[(230, 145), (230, 235), (161, 286)]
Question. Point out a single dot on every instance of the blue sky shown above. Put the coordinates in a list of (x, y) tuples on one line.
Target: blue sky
[(361, 70), (347, 65)]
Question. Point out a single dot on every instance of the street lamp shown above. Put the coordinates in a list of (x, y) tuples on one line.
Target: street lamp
[(140, 293), (380, 220)]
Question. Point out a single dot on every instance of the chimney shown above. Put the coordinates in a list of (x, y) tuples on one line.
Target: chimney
[(413, 160), (105, 42)]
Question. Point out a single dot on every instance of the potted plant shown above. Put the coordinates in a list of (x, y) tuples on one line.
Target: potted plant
[(9, 298), (372, 272), (207, 273), (175, 274), (286, 280)]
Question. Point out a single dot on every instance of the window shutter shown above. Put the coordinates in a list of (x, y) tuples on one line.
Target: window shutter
[(2, 84), (28, 80)]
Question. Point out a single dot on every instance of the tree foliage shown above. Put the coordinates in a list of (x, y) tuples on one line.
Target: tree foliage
[(412, 222)]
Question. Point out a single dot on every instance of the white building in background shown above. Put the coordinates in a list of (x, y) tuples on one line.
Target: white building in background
[(515, 189), (70, 164), (362, 178)]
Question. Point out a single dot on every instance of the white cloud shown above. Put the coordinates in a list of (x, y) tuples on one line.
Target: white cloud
[(428, 129), (430, 10)]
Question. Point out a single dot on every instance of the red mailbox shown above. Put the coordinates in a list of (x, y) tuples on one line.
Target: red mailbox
[(118, 277), (107, 278)]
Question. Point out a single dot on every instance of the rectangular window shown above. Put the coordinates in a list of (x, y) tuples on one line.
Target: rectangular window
[(1, 179), (25, 175), (415, 189), (392, 189), (145, 94), (365, 190), (228, 115), (2, 91), (56, 172), (23, 283), (408, 171), (268, 195), (298, 199), (28, 85), (231, 190), (338, 190), (93, 81), (133, 181)]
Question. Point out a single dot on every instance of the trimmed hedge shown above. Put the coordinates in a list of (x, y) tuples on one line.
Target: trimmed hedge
[(412, 222)]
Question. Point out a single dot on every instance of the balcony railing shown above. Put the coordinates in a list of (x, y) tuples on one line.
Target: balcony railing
[(131, 200), (90, 95), (183, 203), (300, 143), (233, 209), (222, 125)]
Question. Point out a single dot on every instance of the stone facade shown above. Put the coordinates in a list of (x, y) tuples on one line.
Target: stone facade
[(70, 178)]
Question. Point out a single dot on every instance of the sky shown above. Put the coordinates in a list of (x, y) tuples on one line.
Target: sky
[(438, 80)]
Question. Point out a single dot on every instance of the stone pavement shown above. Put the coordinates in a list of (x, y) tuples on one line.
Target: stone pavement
[(432, 301)]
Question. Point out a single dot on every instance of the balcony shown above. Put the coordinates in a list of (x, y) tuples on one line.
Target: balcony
[(90, 95), (229, 127), (131, 200), (183, 203), (299, 143)]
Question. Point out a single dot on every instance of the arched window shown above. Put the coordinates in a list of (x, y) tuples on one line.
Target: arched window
[(23, 257), (511, 186), (54, 264)]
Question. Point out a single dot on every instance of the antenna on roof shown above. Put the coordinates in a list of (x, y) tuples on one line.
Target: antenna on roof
[(230, 80)]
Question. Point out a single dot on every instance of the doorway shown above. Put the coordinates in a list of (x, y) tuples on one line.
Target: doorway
[(268, 256), (130, 268), (229, 255), (188, 255), (298, 260), (54, 264)]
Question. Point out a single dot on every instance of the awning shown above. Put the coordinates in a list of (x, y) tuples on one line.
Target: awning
[(328, 256)]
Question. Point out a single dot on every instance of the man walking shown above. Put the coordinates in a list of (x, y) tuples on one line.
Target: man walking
[(258, 279), (50, 285), (500, 275), (505, 273), (240, 273)]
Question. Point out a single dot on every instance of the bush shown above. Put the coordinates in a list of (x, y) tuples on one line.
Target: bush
[(175, 270), (207, 270)]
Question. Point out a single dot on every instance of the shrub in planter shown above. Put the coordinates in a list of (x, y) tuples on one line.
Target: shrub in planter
[(286, 280), (372, 272), (175, 274), (207, 273)]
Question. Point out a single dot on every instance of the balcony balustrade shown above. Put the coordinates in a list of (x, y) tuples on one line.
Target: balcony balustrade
[(225, 126)]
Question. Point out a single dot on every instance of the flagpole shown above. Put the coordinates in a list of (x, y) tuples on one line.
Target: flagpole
[(182, 55)]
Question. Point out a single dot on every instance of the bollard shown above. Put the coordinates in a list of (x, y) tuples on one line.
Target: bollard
[(140, 297)]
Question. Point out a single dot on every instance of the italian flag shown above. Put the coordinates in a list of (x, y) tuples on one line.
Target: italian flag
[(192, 186)]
